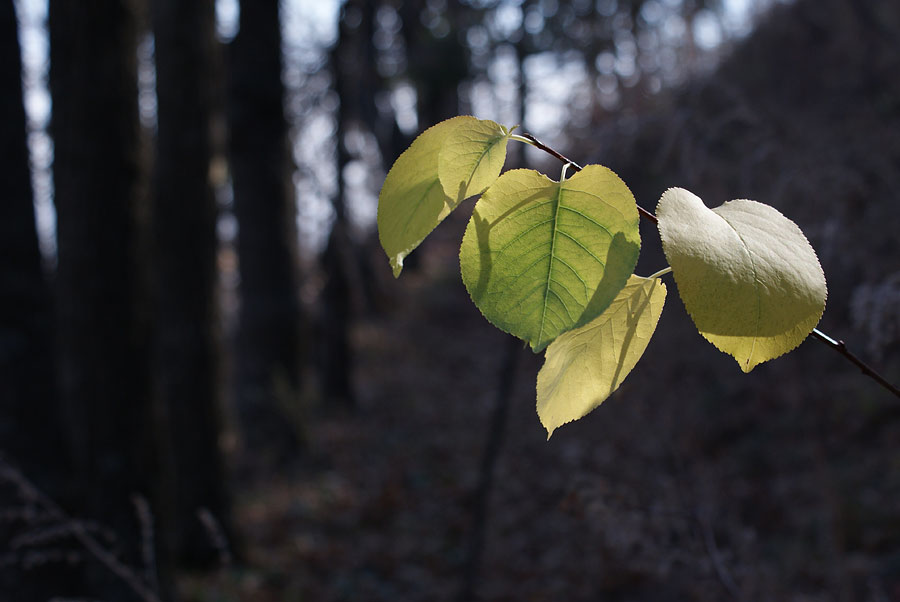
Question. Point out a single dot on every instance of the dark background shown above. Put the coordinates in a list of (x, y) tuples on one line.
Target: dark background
[(211, 389)]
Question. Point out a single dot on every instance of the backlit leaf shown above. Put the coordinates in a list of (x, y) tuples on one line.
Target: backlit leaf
[(540, 258), (747, 275), (584, 366), (472, 157), (412, 202)]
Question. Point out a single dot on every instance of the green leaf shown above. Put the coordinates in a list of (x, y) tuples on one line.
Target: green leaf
[(412, 202), (472, 157), (584, 366), (540, 258), (748, 277)]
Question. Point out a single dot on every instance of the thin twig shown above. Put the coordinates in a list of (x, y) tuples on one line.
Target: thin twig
[(647, 215), (148, 541), (841, 348), (837, 345), (216, 536), (715, 556)]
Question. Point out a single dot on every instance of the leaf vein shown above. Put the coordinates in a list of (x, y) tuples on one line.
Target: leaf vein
[(756, 285), (556, 294), (550, 268), (583, 247), (523, 233), (587, 217), (574, 271)]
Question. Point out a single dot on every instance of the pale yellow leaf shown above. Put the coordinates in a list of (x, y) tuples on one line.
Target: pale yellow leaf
[(412, 202), (747, 275), (585, 365)]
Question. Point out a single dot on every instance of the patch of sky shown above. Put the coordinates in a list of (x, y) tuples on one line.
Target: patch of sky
[(35, 49)]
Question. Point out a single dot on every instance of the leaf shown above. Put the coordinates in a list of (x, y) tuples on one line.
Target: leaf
[(584, 366), (748, 277), (540, 258), (412, 202), (472, 157)]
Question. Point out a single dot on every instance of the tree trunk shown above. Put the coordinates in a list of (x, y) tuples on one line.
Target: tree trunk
[(269, 346), (335, 348), (99, 179), (26, 315), (438, 65), (30, 421), (354, 83), (184, 219)]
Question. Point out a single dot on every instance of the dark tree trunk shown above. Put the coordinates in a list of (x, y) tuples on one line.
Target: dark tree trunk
[(438, 65), (184, 217), (269, 345), (355, 86), (335, 348), (27, 379), (30, 421), (99, 179)]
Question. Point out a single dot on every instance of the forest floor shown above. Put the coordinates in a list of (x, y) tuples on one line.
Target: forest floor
[(693, 482)]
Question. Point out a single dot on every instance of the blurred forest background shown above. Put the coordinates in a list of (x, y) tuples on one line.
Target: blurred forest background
[(211, 389)]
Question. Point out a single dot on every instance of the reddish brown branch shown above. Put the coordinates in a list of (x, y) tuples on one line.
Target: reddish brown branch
[(837, 345), (647, 215), (841, 348)]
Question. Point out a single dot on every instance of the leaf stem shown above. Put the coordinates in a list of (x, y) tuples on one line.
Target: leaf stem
[(662, 272), (837, 345), (521, 138)]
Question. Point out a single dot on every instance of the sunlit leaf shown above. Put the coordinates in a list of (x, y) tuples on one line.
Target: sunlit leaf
[(540, 258), (584, 366), (412, 202), (747, 275), (472, 157)]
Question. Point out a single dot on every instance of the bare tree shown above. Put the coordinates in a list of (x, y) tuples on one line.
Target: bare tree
[(99, 180), (187, 354), (26, 315), (269, 331), (30, 421)]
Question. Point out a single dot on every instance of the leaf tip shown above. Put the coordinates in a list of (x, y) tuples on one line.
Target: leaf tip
[(397, 264), (548, 425), (747, 365)]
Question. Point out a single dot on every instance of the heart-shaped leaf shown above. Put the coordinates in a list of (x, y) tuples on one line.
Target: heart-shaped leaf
[(541, 257), (747, 275), (412, 202), (584, 366)]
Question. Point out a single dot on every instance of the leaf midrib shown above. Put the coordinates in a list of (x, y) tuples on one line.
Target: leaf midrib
[(550, 268), (756, 285)]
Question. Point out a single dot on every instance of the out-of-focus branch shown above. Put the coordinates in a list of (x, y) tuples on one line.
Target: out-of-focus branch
[(489, 458), (29, 491)]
